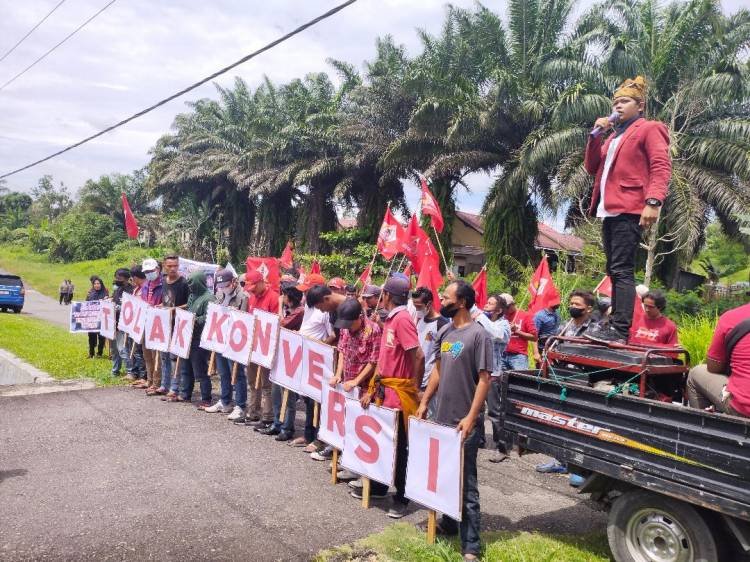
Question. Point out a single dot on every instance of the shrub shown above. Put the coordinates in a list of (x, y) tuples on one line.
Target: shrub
[(84, 236), (695, 333)]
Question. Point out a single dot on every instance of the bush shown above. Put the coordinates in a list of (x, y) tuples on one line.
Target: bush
[(84, 236), (19, 235), (689, 303), (695, 334), (129, 253)]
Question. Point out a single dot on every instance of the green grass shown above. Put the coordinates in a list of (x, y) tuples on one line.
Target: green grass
[(52, 349), (695, 333), (742, 275), (403, 542)]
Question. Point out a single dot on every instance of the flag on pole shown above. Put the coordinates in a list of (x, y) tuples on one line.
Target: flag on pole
[(542, 288), (604, 287), (287, 259), (429, 276), (366, 277), (430, 206), (268, 268), (408, 270), (391, 237), (131, 225), (480, 288), (315, 267)]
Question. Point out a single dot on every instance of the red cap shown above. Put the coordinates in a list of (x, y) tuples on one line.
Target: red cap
[(311, 280), (337, 283), (253, 277)]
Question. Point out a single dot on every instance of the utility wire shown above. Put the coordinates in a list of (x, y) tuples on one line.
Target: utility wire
[(40, 59), (246, 58), (22, 39)]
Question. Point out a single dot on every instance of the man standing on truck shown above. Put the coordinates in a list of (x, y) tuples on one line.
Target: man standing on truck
[(724, 380), (632, 170), (460, 383)]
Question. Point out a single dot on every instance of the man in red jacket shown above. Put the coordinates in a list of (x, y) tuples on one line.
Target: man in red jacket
[(632, 170)]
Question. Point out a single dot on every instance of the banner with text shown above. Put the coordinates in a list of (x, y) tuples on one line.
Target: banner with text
[(240, 337), (182, 334), (158, 328), (266, 337), (370, 441), (107, 318), (84, 316)]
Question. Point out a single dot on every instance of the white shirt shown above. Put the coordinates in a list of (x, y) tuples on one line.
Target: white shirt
[(601, 211), (427, 332), (316, 324)]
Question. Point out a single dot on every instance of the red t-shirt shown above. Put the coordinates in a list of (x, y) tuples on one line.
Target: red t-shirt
[(399, 336), (268, 301), (661, 331), (739, 379), (525, 323)]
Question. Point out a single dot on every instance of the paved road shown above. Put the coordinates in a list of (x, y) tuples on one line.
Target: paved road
[(108, 474), (41, 306)]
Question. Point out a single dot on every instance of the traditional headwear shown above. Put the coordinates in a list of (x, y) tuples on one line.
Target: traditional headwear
[(632, 88)]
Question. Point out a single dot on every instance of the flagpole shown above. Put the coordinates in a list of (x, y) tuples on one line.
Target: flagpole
[(372, 262), (390, 268), (440, 247)]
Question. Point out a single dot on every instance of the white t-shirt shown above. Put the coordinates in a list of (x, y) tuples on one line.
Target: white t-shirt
[(601, 211), (427, 332), (316, 324)]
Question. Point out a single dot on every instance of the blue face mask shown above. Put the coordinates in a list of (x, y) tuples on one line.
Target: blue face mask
[(488, 314), (152, 275)]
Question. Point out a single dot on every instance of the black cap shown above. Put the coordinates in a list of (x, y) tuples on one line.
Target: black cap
[(348, 312)]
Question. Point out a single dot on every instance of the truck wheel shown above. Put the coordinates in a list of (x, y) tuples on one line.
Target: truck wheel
[(17, 310), (647, 527)]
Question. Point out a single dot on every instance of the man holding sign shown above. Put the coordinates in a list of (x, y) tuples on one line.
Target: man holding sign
[(460, 382)]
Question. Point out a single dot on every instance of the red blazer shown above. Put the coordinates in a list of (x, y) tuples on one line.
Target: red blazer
[(641, 168)]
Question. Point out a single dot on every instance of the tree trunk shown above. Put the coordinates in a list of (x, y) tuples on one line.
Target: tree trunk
[(650, 255), (318, 215)]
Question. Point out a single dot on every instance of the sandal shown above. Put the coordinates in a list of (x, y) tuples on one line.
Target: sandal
[(168, 395)]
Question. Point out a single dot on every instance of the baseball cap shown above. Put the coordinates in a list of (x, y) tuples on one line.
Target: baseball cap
[(337, 283), (252, 278), (149, 264), (311, 280), (397, 286), (223, 278), (348, 312), (370, 291), (508, 298)]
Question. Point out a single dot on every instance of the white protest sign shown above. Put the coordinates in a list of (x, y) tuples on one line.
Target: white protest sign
[(317, 368), (214, 334), (132, 316), (287, 371), (332, 413), (370, 441), (158, 326), (266, 338), (434, 468), (239, 337), (186, 267), (107, 320), (182, 333)]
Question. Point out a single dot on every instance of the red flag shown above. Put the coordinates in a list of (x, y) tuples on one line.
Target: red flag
[(430, 277), (480, 288), (408, 271), (542, 288), (430, 207), (412, 237), (366, 277), (268, 267), (131, 225), (639, 315), (604, 287), (287, 260), (391, 238), (315, 267)]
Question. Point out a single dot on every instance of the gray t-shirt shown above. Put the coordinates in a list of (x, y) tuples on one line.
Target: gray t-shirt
[(463, 352)]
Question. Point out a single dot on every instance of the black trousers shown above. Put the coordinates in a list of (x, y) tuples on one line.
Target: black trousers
[(96, 341), (621, 236), (402, 456)]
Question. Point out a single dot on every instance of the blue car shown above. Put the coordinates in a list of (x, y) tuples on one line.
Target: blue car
[(11, 293)]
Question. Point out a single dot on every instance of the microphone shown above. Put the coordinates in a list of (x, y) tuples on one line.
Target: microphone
[(596, 131)]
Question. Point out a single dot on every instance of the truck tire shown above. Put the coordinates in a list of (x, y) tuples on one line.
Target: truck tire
[(648, 527), (17, 310)]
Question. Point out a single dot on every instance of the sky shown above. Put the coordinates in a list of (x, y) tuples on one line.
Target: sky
[(140, 51)]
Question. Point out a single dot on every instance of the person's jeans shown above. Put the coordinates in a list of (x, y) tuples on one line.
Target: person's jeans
[(96, 340), (224, 366), (494, 401), (196, 367), (311, 432), (139, 366), (402, 456), (119, 352), (470, 512), (165, 360), (515, 362), (621, 236), (277, 394)]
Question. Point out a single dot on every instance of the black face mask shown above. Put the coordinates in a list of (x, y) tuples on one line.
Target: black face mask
[(576, 312), (448, 311)]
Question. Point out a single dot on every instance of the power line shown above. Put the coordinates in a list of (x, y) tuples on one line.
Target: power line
[(22, 39), (246, 58), (40, 59)]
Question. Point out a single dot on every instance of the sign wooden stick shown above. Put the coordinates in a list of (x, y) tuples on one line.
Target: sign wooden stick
[(177, 367), (316, 414), (234, 372), (156, 362), (258, 381), (132, 350), (284, 402), (365, 492), (212, 364), (335, 467), (431, 526)]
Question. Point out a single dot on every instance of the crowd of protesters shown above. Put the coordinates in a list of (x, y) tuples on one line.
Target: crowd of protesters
[(436, 360)]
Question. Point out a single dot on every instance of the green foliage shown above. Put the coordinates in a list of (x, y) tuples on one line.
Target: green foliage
[(129, 253), (688, 303), (53, 349), (695, 334), (404, 543), (83, 236), (14, 210), (50, 202), (722, 256)]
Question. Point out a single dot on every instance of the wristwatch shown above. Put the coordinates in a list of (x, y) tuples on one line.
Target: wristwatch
[(651, 202)]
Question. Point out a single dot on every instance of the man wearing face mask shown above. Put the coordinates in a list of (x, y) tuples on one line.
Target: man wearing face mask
[(151, 293), (580, 307), (429, 323), (118, 349)]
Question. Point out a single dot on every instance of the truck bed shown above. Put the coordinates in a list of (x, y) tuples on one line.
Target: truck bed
[(692, 455)]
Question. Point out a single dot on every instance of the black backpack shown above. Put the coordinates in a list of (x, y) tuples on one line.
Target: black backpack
[(733, 338)]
